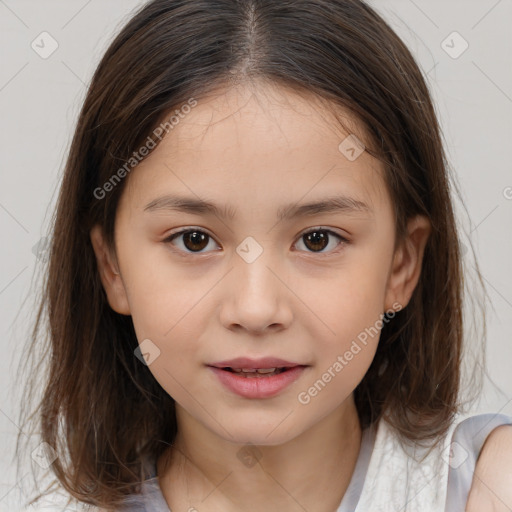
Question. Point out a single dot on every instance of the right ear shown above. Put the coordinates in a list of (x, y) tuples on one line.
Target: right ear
[(109, 273)]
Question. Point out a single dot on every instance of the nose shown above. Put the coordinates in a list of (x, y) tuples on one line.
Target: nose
[(257, 297)]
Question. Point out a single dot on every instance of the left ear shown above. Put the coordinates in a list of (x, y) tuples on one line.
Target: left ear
[(407, 260)]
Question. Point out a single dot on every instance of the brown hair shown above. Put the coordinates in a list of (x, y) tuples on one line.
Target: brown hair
[(101, 409)]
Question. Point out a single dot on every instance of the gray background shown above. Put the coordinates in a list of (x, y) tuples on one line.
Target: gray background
[(40, 98)]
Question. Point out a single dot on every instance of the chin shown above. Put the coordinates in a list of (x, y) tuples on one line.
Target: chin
[(262, 433)]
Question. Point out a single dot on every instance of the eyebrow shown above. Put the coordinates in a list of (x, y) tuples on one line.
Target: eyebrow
[(334, 204)]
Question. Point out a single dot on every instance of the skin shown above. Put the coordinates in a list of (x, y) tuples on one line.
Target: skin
[(491, 488), (256, 152)]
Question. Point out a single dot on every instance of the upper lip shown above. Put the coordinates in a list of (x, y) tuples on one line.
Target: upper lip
[(253, 364)]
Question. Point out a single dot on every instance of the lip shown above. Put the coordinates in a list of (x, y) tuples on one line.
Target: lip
[(263, 362), (258, 387)]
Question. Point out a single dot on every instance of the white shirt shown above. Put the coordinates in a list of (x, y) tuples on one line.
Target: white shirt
[(390, 476)]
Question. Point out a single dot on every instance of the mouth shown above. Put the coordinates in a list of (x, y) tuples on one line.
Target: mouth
[(251, 373), (261, 365), (260, 380)]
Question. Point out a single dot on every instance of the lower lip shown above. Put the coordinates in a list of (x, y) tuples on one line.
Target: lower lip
[(258, 387)]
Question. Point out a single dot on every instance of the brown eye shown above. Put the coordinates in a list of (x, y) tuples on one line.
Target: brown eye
[(193, 240), (316, 240)]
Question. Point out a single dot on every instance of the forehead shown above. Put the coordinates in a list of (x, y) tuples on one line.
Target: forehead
[(280, 118), (267, 142)]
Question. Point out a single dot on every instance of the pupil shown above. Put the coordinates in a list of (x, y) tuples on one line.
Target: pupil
[(195, 238), (317, 238)]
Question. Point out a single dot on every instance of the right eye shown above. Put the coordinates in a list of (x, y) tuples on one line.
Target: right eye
[(193, 240)]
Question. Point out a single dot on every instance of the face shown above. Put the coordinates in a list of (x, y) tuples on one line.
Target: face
[(260, 277)]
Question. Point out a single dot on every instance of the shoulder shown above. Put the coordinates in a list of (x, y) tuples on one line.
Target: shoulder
[(491, 488)]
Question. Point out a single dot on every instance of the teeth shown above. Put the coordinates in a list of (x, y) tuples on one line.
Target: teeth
[(266, 370), (254, 370)]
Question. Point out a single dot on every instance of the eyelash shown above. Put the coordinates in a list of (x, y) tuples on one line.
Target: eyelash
[(343, 242)]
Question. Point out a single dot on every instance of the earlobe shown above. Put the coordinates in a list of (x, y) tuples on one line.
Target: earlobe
[(109, 273), (407, 263)]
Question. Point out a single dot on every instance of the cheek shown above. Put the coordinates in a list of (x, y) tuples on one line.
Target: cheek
[(348, 298), (347, 324), (345, 350), (160, 288), (172, 321), (167, 306)]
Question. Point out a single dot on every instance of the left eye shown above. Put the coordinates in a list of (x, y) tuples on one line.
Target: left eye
[(319, 239), (195, 240)]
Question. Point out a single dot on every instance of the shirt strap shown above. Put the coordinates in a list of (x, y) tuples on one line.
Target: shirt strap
[(468, 438)]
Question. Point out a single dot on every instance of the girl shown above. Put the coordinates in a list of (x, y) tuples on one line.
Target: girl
[(255, 286)]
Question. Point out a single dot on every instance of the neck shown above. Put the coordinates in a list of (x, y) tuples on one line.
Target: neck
[(310, 472)]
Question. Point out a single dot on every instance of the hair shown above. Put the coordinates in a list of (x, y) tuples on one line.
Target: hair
[(101, 410)]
